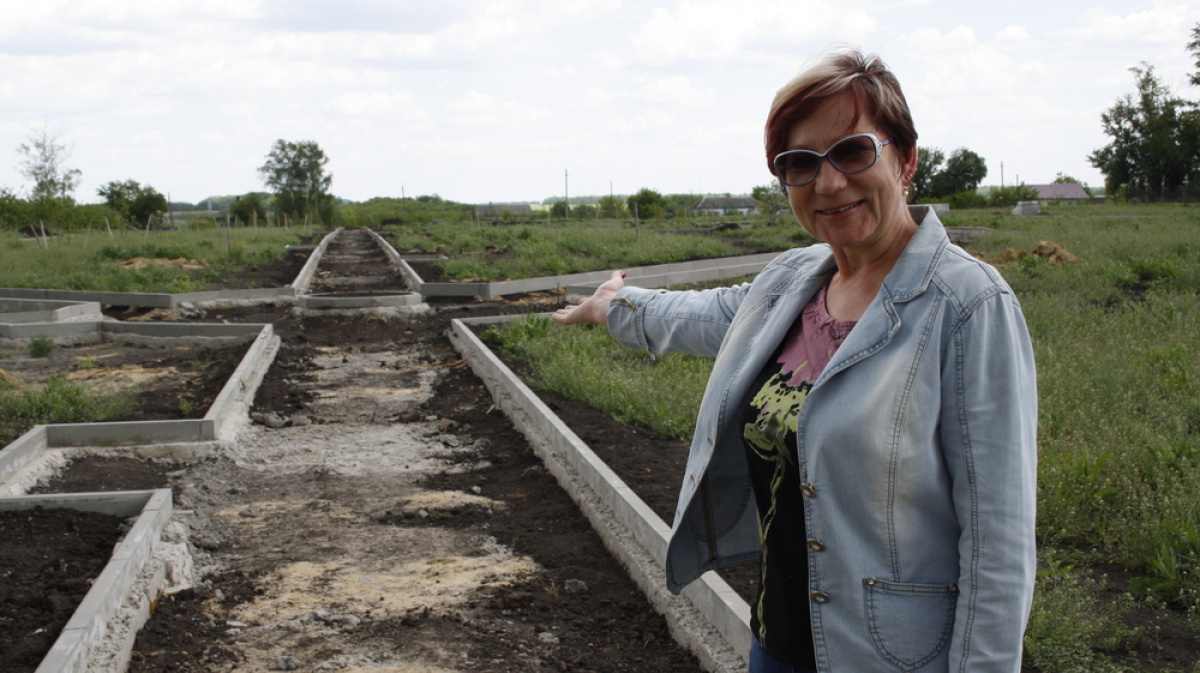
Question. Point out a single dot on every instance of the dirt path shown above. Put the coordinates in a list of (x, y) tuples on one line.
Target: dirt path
[(382, 516)]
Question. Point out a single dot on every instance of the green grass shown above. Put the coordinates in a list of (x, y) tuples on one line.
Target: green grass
[(1117, 341), (492, 253), (91, 260), (40, 347), (57, 401), (585, 363)]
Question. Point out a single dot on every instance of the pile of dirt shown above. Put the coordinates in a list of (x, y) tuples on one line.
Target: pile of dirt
[(1048, 250), (37, 232), (180, 263)]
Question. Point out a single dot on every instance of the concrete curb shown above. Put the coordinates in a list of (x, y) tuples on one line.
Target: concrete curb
[(227, 411), (89, 624), (386, 304), (678, 273), (709, 618), (46, 310), (147, 299), (304, 278)]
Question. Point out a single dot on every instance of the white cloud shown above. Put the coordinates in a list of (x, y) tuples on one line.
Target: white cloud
[(673, 90), (668, 94), (1013, 34), (709, 30), (1163, 22), (477, 109)]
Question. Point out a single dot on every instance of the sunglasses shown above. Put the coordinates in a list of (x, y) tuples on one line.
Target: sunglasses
[(849, 155)]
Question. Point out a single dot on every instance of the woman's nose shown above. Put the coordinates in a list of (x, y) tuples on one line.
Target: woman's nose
[(829, 179)]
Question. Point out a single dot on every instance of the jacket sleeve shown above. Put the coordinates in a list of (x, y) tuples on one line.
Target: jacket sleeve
[(661, 321), (989, 436)]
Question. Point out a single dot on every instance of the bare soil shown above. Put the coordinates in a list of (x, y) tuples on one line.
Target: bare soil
[(165, 383), (47, 562), (394, 521)]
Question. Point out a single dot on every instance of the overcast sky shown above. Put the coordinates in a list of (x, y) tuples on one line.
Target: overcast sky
[(492, 100)]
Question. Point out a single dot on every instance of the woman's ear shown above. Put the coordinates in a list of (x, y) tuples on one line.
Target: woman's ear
[(908, 165)]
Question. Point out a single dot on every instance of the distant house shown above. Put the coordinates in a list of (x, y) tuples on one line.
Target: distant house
[(503, 211), (1067, 191), (726, 205)]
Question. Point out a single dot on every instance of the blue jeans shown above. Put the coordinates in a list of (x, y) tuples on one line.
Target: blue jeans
[(761, 662)]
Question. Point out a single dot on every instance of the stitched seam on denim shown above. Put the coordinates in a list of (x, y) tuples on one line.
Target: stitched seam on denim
[(877, 637), (723, 409), (972, 589), (897, 430), (928, 275)]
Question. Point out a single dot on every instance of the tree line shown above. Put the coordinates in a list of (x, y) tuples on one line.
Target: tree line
[(1155, 136), (295, 172)]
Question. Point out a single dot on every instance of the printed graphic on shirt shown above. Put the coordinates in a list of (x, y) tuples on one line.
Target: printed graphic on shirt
[(779, 405)]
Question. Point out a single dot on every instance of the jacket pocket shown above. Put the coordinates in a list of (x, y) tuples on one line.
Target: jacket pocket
[(910, 624)]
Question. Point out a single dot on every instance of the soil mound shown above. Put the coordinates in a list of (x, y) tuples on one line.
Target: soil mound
[(1048, 250)]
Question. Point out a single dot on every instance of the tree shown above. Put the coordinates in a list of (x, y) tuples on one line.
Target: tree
[(648, 204), (1194, 47), (559, 210), (929, 162), (134, 202), (612, 208), (1064, 179), (44, 163), (1155, 137), (963, 172), (296, 173), (249, 208), (1009, 196), (770, 202)]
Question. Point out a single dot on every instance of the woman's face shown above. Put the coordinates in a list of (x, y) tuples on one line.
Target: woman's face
[(856, 213)]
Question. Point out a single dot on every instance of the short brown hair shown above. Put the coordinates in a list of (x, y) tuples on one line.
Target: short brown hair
[(875, 89)]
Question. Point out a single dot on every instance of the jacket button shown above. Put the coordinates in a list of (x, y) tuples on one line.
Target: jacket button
[(808, 490), (820, 597), (816, 545)]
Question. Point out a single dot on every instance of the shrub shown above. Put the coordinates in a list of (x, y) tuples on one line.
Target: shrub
[(58, 401), (40, 347)]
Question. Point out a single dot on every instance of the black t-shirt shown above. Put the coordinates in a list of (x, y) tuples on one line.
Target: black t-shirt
[(779, 617)]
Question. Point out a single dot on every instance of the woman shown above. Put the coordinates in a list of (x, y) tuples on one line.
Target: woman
[(869, 428)]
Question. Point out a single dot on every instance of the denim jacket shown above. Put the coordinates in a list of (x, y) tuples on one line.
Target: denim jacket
[(917, 454)]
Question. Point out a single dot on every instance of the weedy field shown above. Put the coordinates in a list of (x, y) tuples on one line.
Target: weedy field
[(490, 253), (1116, 331), (138, 261)]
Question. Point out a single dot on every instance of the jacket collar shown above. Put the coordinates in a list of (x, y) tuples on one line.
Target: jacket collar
[(909, 278), (914, 269)]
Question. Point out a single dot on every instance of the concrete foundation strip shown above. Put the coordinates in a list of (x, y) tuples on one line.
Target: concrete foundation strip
[(227, 411), (696, 271), (89, 624), (709, 618)]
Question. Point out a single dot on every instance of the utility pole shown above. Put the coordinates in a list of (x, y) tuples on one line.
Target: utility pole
[(567, 196), (1001, 175)]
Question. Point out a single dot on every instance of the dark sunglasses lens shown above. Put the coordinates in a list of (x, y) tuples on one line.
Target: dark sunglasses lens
[(853, 154), (797, 168)]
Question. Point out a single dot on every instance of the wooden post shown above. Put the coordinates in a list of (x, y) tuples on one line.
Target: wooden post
[(108, 227)]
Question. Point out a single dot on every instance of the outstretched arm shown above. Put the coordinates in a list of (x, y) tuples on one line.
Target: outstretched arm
[(595, 307)]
